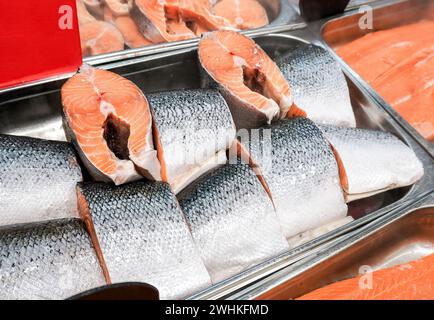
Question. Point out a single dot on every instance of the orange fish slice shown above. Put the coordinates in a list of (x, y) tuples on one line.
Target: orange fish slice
[(150, 16), (252, 84), (109, 121), (83, 15), (100, 37), (242, 14), (132, 36), (412, 281)]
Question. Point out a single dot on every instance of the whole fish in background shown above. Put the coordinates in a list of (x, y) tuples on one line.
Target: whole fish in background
[(52, 260), (318, 85), (243, 14), (194, 128), (410, 281), (141, 234), (372, 161), (232, 221), (301, 172), (107, 117), (37, 180), (250, 81)]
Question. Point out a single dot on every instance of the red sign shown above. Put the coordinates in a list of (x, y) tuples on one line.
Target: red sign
[(38, 39)]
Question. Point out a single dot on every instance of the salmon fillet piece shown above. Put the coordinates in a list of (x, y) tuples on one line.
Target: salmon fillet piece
[(83, 15), (132, 36), (251, 82), (242, 14), (411, 281), (109, 121), (100, 37)]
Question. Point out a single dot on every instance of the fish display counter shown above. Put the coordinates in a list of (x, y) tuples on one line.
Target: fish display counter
[(392, 57), (175, 162)]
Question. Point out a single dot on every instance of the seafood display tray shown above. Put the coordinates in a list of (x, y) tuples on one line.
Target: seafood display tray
[(343, 29), (280, 13), (391, 240), (37, 112)]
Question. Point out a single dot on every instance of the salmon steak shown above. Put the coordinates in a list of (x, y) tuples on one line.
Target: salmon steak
[(232, 220), (99, 37), (301, 172), (250, 81), (372, 161), (133, 38), (140, 235), (410, 281), (107, 118), (193, 129), (242, 14), (318, 85), (48, 261), (155, 25), (37, 180)]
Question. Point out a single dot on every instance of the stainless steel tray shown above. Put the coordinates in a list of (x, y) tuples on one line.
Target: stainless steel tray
[(340, 30), (38, 113), (393, 239), (280, 13)]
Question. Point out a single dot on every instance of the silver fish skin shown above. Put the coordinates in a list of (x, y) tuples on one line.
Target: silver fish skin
[(318, 85), (194, 127), (50, 260), (374, 161), (232, 221), (37, 180), (143, 237), (301, 172)]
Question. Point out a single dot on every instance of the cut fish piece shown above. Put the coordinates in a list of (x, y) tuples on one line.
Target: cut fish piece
[(232, 221), (372, 161), (108, 119), (95, 7), (100, 37), (37, 180), (83, 15), (192, 127), (150, 16), (52, 260), (197, 11), (133, 38), (242, 14), (119, 7), (141, 235), (249, 80), (301, 172), (318, 85), (410, 281)]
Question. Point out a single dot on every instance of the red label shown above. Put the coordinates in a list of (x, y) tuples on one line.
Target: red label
[(38, 39)]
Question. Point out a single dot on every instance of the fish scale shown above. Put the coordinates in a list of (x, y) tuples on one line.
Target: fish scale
[(318, 85), (232, 221), (37, 180), (301, 172), (143, 237), (193, 126), (51, 260)]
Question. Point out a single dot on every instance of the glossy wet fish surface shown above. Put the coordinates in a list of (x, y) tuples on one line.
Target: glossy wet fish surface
[(143, 237), (193, 126), (37, 180), (373, 160), (301, 172), (51, 260), (318, 85), (232, 221)]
